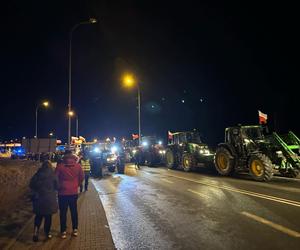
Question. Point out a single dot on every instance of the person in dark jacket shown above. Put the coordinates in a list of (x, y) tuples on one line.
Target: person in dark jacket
[(44, 185), (70, 177), (86, 167)]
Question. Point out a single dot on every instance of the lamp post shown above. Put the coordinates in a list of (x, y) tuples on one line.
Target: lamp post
[(70, 115), (90, 21), (77, 126), (129, 81), (45, 104)]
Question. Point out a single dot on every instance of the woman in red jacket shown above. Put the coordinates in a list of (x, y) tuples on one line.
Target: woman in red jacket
[(70, 176)]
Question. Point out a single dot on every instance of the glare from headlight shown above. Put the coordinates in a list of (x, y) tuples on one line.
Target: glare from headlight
[(114, 149), (113, 158)]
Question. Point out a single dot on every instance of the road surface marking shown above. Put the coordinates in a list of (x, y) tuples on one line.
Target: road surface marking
[(195, 192), (166, 180), (278, 227), (242, 191)]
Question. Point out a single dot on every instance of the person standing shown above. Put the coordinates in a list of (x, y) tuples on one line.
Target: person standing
[(86, 167), (137, 159), (44, 185), (70, 177)]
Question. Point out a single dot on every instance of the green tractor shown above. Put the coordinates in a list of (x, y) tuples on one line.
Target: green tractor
[(252, 150), (186, 151)]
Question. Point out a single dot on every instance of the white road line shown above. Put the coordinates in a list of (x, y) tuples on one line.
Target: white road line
[(278, 227), (166, 180), (195, 192), (241, 191)]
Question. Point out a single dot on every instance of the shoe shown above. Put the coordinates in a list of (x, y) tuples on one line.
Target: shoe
[(35, 238), (63, 235), (75, 232)]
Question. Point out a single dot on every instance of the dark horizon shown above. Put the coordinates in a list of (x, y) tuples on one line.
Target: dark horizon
[(226, 61)]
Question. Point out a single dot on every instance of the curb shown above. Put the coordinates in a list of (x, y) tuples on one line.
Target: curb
[(14, 240)]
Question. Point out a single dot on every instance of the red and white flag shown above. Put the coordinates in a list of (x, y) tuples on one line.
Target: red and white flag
[(135, 136), (262, 117), (170, 135)]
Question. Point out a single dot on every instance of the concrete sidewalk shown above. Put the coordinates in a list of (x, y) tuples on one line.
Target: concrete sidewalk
[(94, 232)]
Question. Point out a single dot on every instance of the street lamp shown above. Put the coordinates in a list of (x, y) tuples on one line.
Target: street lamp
[(90, 21), (129, 81), (43, 104), (70, 113)]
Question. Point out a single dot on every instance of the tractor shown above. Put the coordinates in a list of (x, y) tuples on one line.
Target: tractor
[(186, 151), (252, 149), (150, 152)]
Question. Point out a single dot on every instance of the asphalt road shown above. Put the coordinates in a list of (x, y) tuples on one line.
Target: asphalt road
[(157, 208)]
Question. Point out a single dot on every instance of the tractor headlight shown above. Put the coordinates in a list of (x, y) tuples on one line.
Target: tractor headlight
[(162, 152), (96, 150), (204, 151), (111, 158)]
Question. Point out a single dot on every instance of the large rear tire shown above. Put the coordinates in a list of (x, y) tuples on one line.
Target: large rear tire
[(170, 159), (224, 161), (188, 162), (260, 167)]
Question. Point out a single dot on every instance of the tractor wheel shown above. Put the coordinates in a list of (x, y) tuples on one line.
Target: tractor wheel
[(170, 159), (188, 162), (224, 161), (293, 173), (261, 167), (111, 169)]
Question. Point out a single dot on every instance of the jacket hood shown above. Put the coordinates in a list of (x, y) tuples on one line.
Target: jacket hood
[(70, 160), (44, 173)]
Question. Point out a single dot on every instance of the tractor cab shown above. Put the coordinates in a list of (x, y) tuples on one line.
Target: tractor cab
[(185, 137), (244, 133)]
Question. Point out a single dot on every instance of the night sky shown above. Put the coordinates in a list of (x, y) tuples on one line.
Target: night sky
[(200, 64)]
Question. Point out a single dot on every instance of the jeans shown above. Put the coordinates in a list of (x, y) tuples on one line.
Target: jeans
[(86, 181), (65, 201), (47, 223)]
